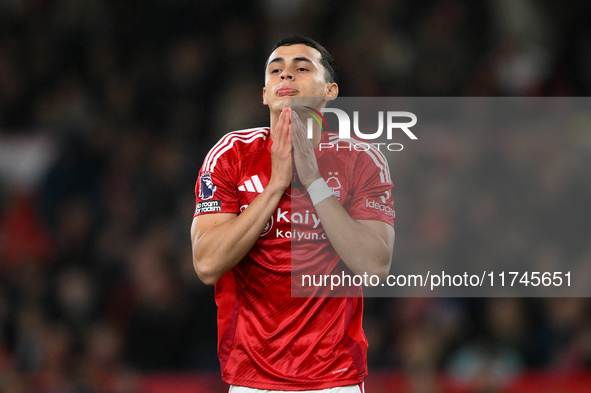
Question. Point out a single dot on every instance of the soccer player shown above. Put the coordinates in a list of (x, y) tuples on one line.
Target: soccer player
[(244, 225)]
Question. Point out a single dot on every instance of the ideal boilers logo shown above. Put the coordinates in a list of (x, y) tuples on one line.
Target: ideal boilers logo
[(392, 120)]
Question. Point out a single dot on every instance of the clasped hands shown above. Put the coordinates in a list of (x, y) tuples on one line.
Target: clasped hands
[(291, 146)]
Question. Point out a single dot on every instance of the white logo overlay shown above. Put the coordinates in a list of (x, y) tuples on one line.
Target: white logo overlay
[(390, 123), (345, 124)]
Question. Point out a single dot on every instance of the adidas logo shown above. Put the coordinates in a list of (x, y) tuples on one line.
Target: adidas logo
[(252, 186)]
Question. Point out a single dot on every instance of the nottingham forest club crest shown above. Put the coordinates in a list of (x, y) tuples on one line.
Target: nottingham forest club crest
[(206, 187), (334, 184)]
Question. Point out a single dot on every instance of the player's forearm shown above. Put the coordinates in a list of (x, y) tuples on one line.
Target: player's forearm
[(362, 249), (223, 246)]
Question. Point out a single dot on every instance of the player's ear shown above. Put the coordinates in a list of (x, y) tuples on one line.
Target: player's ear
[(332, 91), (264, 96)]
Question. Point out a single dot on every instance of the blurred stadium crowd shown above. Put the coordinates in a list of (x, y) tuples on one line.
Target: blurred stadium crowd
[(107, 109)]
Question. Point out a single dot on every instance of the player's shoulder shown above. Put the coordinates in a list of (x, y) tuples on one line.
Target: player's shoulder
[(247, 136), (236, 142), (247, 131), (250, 138)]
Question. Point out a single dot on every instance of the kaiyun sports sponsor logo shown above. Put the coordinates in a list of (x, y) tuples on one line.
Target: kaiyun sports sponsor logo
[(306, 219)]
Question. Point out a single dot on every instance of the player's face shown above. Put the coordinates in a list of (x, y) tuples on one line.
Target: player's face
[(296, 71)]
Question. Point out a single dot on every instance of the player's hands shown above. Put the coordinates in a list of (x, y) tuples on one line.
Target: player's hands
[(281, 151), (303, 152)]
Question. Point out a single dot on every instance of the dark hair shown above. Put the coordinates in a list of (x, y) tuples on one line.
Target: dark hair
[(326, 59)]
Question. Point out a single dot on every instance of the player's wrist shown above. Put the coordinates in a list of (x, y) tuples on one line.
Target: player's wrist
[(307, 180), (319, 191), (276, 188)]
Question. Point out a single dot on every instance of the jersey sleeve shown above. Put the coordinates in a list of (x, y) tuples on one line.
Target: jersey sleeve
[(216, 190), (372, 198)]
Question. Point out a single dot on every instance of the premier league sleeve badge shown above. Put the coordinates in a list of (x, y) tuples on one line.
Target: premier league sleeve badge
[(206, 187)]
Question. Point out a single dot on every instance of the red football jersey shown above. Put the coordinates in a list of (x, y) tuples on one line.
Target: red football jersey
[(268, 339)]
